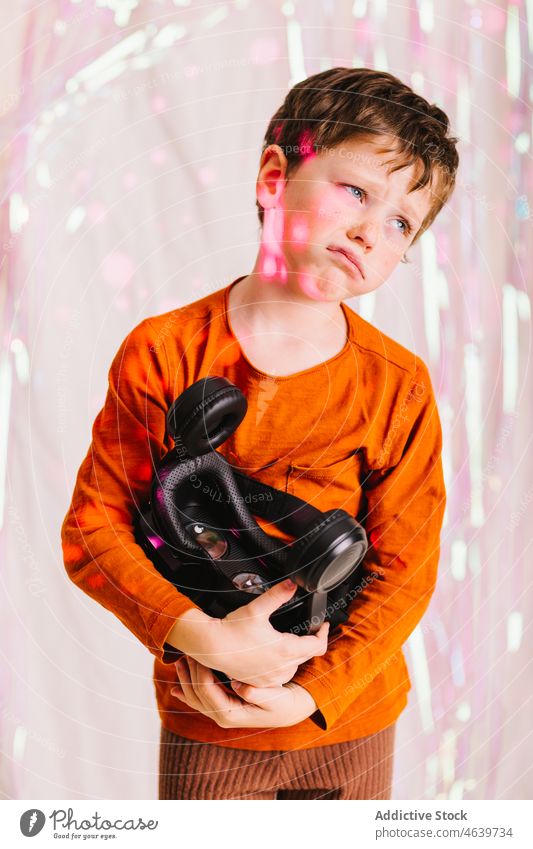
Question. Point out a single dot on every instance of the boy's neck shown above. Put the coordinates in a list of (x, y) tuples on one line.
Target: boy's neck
[(270, 306), (279, 336)]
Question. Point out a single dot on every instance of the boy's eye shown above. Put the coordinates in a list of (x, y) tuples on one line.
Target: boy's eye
[(406, 226), (357, 189)]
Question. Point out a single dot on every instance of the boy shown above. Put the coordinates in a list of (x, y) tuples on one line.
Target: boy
[(355, 166)]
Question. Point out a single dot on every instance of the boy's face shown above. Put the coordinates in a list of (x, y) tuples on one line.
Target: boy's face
[(341, 198)]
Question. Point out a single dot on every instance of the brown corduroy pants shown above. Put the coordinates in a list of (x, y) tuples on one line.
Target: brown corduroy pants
[(359, 769)]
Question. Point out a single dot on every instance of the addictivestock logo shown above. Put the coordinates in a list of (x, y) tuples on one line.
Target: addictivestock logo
[(31, 822), (65, 825)]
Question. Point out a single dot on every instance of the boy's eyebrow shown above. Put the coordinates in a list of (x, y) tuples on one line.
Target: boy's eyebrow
[(407, 208)]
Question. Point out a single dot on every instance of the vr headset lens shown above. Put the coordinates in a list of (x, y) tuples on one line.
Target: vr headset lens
[(337, 570), (209, 538), (250, 582)]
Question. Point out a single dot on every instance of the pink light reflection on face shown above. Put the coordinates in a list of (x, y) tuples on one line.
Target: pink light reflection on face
[(300, 232), (308, 284), (272, 259), (318, 286)]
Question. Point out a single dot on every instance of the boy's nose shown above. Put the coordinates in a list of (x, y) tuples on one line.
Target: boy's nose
[(364, 232)]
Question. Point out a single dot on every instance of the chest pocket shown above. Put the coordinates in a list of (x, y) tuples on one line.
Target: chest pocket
[(338, 485)]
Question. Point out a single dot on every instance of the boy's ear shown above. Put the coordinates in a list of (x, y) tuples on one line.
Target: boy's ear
[(271, 178)]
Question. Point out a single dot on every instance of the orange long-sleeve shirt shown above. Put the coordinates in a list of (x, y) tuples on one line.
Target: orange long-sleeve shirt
[(375, 396)]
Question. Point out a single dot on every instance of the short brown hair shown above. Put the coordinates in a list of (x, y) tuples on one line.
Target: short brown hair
[(327, 108)]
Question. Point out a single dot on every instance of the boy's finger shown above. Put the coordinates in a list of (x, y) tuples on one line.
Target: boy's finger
[(183, 671), (323, 631), (260, 696), (214, 697), (312, 644), (184, 685), (269, 601)]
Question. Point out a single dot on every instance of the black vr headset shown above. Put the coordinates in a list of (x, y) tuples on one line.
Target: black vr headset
[(199, 528)]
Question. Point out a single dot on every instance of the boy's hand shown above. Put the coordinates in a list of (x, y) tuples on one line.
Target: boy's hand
[(251, 650), (269, 707), (244, 645)]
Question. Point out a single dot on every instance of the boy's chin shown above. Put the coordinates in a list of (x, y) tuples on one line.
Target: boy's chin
[(331, 285)]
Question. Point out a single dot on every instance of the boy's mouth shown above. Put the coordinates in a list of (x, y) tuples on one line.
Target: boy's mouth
[(354, 263)]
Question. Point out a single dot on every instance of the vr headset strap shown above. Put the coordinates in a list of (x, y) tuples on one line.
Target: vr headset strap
[(292, 514)]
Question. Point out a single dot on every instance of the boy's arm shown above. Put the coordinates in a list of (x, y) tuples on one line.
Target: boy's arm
[(405, 504), (99, 549)]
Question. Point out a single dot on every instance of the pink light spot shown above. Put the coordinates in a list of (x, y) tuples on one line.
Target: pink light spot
[(277, 131), (206, 175), (159, 103), (144, 471), (191, 71), (264, 51), (306, 145), (122, 303), (300, 232), (158, 156), (96, 581), (272, 258), (96, 212), (514, 122), (365, 31), (82, 177), (71, 553), (494, 19), (229, 356), (118, 269), (268, 268), (374, 537), (130, 180), (63, 314), (309, 285)]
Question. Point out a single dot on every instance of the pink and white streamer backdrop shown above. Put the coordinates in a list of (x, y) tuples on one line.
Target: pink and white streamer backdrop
[(130, 140)]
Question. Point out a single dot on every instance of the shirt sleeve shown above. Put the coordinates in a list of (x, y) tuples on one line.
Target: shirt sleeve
[(99, 549), (404, 503)]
